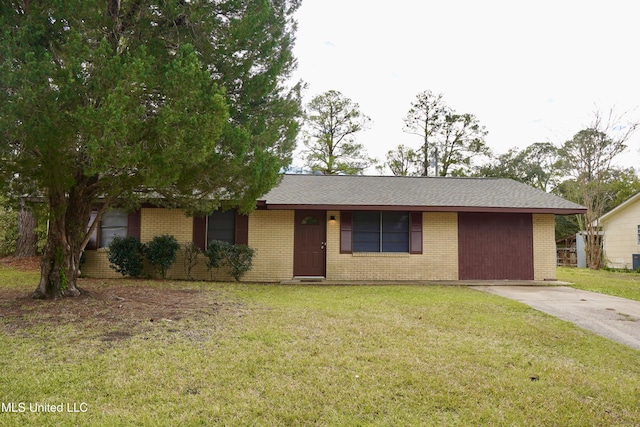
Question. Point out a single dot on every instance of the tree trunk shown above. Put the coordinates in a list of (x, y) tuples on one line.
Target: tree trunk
[(27, 242), (60, 265)]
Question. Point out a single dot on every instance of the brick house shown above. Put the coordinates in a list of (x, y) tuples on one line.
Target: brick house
[(369, 228)]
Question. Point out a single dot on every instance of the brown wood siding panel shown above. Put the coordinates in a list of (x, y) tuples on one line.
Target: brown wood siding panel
[(346, 232), (200, 232), (416, 233), (133, 225), (495, 246), (242, 229)]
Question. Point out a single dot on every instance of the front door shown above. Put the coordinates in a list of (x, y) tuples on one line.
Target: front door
[(309, 244)]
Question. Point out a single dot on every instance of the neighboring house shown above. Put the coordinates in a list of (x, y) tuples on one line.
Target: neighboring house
[(621, 228), (369, 228)]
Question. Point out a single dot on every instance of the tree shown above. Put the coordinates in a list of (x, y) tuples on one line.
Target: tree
[(332, 121), (103, 103), (27, 241), (462, 139), (537, 165), (449, 139), (403, 161), (618, 185), (588, 156), (425, 119)]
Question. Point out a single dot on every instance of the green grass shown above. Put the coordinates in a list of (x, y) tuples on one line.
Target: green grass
[(318, 355), (626, 285)]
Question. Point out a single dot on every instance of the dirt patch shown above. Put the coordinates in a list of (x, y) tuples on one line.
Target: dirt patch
[(21, 263), (112, 310)]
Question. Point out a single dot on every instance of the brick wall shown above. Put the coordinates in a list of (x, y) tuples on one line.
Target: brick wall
[(159, 221), (271, 233), (439, 260), (544, 247)]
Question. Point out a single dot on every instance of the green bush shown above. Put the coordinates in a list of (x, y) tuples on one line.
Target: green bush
[(191, 254), (217, 253), (238, 258), (125, 256), (161, 253)]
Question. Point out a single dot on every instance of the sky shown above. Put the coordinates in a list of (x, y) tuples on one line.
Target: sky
[(530, 71)]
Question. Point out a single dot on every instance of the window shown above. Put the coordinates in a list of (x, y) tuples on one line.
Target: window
[(228, 226), (639, 234), (221, 225), (114, 223), (310, 220), (380, 231)]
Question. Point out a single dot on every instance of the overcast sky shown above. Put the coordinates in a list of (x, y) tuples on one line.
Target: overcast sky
[(530, 71)]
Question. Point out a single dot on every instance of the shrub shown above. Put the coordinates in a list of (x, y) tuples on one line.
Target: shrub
[(161, 253), (222, 254), (125, 256), (191, 254), (217, 253), (240, 260)]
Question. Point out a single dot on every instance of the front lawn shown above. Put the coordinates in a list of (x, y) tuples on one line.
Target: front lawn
[(626, 285), (193, 353)]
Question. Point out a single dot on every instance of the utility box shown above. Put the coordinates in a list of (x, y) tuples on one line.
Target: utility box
[(636, 261), (581, 254)]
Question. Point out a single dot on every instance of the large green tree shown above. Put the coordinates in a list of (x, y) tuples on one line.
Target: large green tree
[(332, 121), (449, 140), (589, 157), (105, 102), (537, 165), (402, 161)]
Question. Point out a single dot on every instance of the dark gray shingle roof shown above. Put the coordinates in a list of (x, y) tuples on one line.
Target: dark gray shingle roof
[(430, 193)]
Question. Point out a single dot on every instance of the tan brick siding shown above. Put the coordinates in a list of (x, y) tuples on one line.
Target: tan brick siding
[(439, 260), (97, 265), (544, 247), (159, 221), (271, 233)]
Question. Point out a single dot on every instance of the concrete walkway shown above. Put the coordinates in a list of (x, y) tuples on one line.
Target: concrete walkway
[(612, 317)]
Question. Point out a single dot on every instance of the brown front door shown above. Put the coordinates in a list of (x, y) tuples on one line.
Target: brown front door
[(309, 243)]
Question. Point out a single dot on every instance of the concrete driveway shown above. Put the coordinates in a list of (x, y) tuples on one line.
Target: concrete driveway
[(612, 317)]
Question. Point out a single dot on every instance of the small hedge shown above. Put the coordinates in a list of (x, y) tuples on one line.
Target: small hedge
[(161, 253), (125, 256), (239, 258)]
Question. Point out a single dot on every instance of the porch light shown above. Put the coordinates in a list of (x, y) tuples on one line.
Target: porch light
[(332, 219)]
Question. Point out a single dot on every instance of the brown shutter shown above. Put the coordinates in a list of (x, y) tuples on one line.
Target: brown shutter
[(200, 232), (242, 229), (416, 233), (133, 225), (346, 232), (92, 244)]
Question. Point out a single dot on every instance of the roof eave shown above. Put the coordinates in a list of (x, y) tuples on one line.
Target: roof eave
[(619, 208), (557, 211)]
